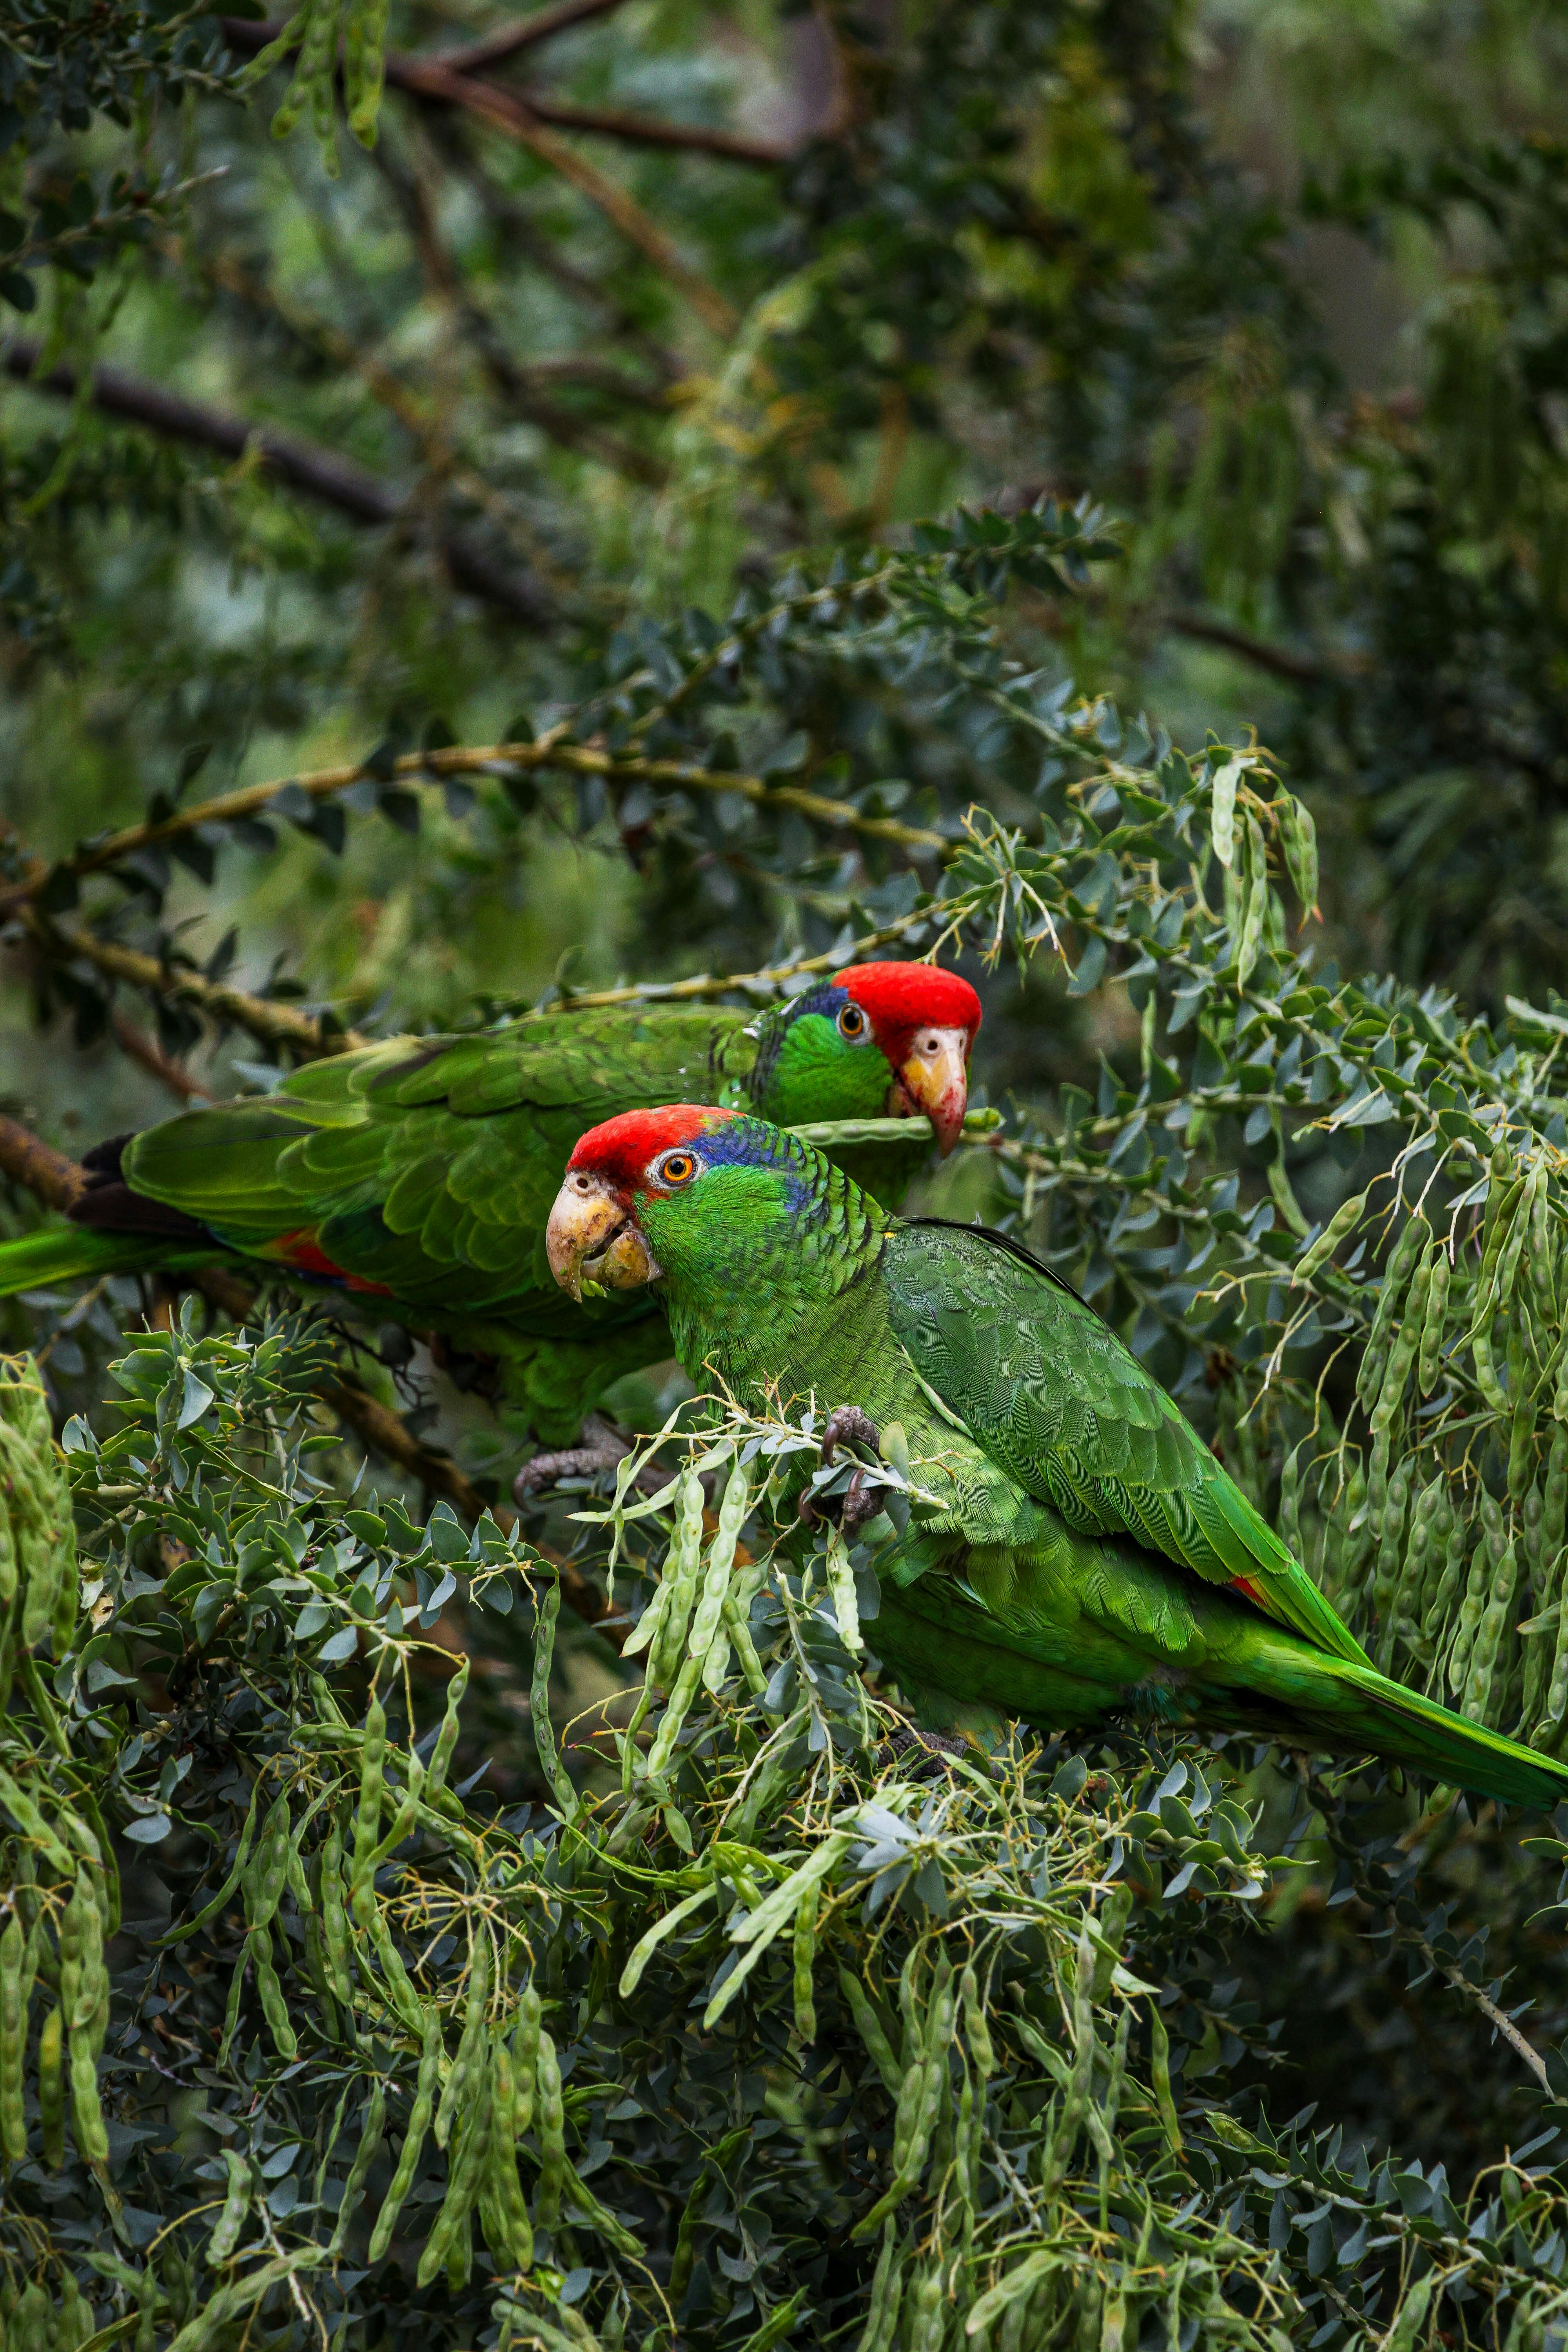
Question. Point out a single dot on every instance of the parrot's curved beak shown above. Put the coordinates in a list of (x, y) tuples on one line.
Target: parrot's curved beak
[(591, 1241), (934, 1078)]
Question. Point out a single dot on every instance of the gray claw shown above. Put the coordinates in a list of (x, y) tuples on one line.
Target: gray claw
[(603, 1448), (846, 1424)]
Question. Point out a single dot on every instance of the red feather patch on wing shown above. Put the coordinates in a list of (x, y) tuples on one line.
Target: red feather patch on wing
[(620, 1148), (304, 1255)]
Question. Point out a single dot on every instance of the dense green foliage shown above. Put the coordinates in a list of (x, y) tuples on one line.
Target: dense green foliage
[(582, 616)]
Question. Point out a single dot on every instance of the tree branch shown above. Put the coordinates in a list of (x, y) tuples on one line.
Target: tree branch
[(647, 130), (432, 80), (272, 1024), (317, 473), (525, 34), (1297, 669), (158, 1064), (548, 751), (47, 1174)]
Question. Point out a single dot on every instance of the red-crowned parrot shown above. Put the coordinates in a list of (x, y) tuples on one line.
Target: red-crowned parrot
[(1076, 1550), (417, 1173)]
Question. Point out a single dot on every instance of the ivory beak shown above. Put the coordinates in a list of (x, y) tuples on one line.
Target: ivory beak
[(591, 1241), (935, 1079)]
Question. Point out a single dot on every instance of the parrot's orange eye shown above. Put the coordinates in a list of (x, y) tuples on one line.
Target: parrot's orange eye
[(677, 1168), (853, 1024)]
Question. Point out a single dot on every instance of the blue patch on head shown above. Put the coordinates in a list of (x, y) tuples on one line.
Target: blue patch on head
[(753, 1143), (823, 998)]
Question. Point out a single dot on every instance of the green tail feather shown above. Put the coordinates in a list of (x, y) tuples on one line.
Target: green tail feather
[(68, 1253), (1422, 1733)]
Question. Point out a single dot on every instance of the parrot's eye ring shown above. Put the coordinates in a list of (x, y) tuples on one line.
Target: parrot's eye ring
[(853, 1024), (677, 1168)]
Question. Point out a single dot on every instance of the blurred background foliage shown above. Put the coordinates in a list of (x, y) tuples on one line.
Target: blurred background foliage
[(312, 450)]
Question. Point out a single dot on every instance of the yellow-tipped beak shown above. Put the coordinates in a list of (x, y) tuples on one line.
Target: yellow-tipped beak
[(591, 1241), (935, 1079)]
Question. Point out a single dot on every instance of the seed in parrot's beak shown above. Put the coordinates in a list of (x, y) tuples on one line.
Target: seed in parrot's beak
[(934, 1078), (591, 1241)]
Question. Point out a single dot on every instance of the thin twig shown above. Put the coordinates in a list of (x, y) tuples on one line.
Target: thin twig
[(155, 1062), (507, 40), (1488, 2007), (260, 1016)]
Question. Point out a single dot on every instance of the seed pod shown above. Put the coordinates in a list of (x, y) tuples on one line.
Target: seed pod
[(413, 2140), (538, 1702), (928, 2323), (450, 2236), (1402, 1353), (51, 2088), (512, 2243), (976, 2029), (1298, 844), (1159, 2041), (1435, 1322), (869, 2027), (364, 53), (1390, 1552), (1404, 1606), (1255, 904), (1521, 1427), (87, 2110), (334, 1920), (1450, 1583), (224, 2237), (841, 1585), (266, 1874), (471, 2044), (274, 2008), (805, 1957), (367, 1813), (552, 2113), (1488, 1639), (365, 2156), (681, 1570), (741, 1642), (1341, 1225), (12, 2042), (447, 1737), (705, 1623), (1401, 1262), (886, 2292), (525, 2057), (406, 2001)]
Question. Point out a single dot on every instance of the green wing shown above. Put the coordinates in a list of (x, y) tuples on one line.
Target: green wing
[(1053, 1397), (426, 1167)]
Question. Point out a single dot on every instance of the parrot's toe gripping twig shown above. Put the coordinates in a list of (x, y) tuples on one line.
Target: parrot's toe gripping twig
[(603, 1446), (935, 1744), (846, 1424)]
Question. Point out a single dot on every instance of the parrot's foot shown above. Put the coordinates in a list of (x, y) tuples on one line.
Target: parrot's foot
[(936, 1745), (846, 1424), (603, 1447)]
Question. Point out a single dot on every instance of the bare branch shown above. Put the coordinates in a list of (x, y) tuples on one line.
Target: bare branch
[(647, 130), (507, 40), (1297, 669), (158, 1064), (432, 80), (318, 473)]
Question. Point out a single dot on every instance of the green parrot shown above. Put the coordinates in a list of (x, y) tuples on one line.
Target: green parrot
[(1073, 1550), (415, 1175)]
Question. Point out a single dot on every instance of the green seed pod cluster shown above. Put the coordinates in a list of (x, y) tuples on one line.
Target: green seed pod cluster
[(40, 1583)]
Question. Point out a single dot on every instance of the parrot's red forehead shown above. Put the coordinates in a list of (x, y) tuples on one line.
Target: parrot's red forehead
[(621, 1148), (910, 996)]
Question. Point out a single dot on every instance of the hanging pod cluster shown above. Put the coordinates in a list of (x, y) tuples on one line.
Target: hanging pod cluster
[(39, 1580), (1442, 1539)]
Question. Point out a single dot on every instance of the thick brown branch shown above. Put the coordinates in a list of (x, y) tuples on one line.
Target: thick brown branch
[(316, 473), (47, 1174)]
